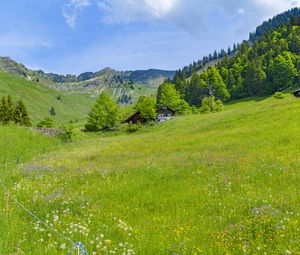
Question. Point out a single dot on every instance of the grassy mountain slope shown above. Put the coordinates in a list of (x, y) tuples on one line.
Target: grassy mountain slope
[(226, 183), (39, 99)]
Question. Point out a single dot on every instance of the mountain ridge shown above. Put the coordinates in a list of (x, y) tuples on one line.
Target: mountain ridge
[(124, 86), (7, 64)]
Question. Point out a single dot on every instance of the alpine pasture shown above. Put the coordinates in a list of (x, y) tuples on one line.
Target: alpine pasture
[(224, 183)]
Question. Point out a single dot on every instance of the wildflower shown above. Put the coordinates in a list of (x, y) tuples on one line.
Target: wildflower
[(63, 246)]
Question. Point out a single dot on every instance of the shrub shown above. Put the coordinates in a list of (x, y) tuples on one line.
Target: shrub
[(131, 128), (219, 106), (68, 134), (210, 105), (46, 123), (278, 95)]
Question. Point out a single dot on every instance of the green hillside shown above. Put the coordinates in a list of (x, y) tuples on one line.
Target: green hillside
[(39, 99), (226, 183)]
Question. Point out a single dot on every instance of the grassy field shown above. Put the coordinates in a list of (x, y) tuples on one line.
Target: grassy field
[(39, 99), (226, 183)]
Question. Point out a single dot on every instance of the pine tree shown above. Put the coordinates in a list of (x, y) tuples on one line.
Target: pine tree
[(3, 111), (234, 48), (229, 51), (6, 110), (21, 115), (215, 56), (52, 111), (283, 72), (255, 79), (196, 90), (10, 109)]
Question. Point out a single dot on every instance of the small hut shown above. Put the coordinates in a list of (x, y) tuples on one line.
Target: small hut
[(164, 114), (136, 119), (297, 93)]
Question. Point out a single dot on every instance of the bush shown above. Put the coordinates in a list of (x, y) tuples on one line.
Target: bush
[(219, 106), (210, 105), (46, 123), (205, 108), (72, 134), (131, 128), (278, 95)]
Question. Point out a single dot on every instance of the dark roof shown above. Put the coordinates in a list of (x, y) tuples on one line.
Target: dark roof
[(296, 91), (132, 116), (135, 116)]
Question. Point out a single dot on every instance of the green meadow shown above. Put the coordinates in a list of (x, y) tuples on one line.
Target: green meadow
[(39, 100), (225, 183)]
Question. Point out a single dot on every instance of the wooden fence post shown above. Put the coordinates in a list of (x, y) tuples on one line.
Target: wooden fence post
[(7, 201)]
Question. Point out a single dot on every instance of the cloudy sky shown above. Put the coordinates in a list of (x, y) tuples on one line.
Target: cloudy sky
[(74, 36)]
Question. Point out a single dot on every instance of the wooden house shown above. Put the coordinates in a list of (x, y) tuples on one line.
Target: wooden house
[(297, 93), (136, 119), (164, 114)]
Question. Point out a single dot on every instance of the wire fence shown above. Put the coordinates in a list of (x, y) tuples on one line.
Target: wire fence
[(78, 248), (18, 159)]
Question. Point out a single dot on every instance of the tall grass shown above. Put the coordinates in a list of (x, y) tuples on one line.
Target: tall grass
[(216, 184)]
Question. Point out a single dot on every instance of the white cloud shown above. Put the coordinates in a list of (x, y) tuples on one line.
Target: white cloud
[(160, 7), (72, 8), (119, 11), (189, 14)]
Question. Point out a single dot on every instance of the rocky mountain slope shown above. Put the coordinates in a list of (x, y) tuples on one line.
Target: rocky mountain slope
[(125, 86)]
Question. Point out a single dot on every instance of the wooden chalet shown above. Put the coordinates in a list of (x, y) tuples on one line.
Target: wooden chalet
[(297, 93), (164, 114), (136, 119)]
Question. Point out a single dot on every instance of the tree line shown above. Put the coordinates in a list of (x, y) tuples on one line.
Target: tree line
[(274, 23), (106, 113), (270, 64), (194, 67), (10, 113)]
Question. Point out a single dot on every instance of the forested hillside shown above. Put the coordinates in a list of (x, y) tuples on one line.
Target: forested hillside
[(258, 68), (211, 59)]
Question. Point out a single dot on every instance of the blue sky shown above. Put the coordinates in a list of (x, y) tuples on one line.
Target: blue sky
[(74, 36)]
